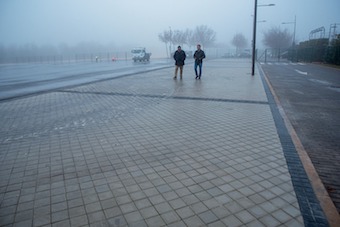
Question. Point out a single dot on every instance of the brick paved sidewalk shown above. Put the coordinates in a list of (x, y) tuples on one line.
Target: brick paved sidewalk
[(147, 150)]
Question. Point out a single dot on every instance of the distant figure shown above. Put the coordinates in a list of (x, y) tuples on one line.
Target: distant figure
[(198, 56), (179, 57), (97, 58)]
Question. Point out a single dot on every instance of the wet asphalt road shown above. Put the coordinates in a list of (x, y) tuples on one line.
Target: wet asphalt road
[(24, 79), (310, 96)]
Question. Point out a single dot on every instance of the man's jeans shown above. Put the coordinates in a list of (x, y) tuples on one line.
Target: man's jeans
[(200, 67)]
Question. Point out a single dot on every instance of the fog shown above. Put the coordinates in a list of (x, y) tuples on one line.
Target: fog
[(123, 24)]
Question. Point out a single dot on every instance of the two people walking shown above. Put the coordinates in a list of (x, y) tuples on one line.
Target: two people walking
[(180, 56)]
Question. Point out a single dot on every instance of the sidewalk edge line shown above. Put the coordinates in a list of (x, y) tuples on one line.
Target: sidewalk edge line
[(319, 189)]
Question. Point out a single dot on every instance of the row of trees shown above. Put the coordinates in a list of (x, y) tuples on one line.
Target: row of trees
[(201, 34), (278, 40), (282, 44), (274, 38)]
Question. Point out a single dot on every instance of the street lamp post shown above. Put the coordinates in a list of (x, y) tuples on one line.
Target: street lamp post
[(293, 22), (254, 40), (254, 36)]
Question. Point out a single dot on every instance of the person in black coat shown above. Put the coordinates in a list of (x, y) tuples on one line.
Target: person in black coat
[(179, 57), (198, 56)]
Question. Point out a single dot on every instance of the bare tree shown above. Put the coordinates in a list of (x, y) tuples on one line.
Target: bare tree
[(239, 41), (190, 39), (166, 37), (276, 38), (179, 37), (204, 35)]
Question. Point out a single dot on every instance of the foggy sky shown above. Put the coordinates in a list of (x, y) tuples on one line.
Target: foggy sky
[(138, 22)]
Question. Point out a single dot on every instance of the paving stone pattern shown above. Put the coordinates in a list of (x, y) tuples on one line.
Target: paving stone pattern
[(147, 150)]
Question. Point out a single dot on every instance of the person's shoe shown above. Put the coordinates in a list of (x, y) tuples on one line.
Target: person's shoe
[(199, 77), (196, 77), (175, 77), (181, 76)]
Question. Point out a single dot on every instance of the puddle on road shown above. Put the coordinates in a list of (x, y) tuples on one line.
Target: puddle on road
[(328, 84), (321, 82), (334, 88)]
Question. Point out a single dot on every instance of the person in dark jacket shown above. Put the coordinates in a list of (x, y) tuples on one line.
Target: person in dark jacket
[(179, 57), (198, 56)]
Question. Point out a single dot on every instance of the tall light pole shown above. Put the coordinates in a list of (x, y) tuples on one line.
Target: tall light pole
[(293, 22), (254, 40), (254, 36)]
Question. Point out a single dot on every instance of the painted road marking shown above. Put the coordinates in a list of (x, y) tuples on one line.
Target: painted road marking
[(303, 73)]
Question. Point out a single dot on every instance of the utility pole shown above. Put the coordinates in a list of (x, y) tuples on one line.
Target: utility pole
[(293, 22), (254, 36), (254, 40)]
